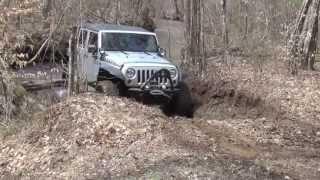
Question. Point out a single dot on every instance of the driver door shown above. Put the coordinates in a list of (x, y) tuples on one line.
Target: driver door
[(91, 58)]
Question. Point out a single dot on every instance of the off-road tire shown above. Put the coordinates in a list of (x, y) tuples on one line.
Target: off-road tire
[(108, 88), (181, 103)]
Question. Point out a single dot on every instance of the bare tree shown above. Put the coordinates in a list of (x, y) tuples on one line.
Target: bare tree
[(136, 8), (303, 40), (187, 17), (195, 47), (244, 9), (178, 14), (118, 13), (48, 6), (224, 24), (72, 61)]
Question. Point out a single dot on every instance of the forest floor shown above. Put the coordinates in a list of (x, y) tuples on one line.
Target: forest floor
[(250, 124)]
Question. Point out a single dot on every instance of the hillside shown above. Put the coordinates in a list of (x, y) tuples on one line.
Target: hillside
[(96, 137), (242, 130)]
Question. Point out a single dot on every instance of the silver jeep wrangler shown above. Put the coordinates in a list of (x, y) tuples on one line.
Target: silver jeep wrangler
[(121, 60)]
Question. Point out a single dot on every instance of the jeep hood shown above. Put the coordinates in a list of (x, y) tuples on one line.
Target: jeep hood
[(122, 58)]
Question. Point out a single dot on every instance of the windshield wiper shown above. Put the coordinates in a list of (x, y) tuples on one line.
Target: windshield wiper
[(146, 52), (123, 51)]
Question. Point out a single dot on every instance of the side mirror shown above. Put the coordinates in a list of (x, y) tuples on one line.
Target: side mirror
[(162, 52), (92, 49), (102, 55)]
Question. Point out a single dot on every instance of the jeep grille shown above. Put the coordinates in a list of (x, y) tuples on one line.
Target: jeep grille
[(144, 75)]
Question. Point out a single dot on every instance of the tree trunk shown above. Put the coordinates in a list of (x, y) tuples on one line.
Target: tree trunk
[(303, 40), (244, 11), (195, 47), (118, 13), (224, 24), (70, 63), (48, 6), (47, 12), (178, 15), (187, 17), (136, 8), (187, 20)]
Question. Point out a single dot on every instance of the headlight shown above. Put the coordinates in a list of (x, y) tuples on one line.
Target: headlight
[(173, 73), (130, 73)]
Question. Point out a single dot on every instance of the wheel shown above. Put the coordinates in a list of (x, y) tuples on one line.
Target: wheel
[(181, 103), (108, 87)]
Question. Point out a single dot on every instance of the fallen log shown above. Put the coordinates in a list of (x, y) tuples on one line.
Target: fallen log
[(37, 85)]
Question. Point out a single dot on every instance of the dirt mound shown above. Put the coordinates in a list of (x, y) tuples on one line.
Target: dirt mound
[(98, 137), (75, 131), (267, 92), (277, 111)]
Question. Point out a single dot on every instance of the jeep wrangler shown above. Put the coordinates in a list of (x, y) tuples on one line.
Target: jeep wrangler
[(120, 60)]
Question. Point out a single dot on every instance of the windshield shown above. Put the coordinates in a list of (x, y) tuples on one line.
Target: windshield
[(129, 42)]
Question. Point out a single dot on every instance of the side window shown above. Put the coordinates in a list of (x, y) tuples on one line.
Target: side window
[(93, 39), (82, 38), (93, 42)]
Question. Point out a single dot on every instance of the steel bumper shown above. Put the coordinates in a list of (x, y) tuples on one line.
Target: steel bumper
[(167, 93)]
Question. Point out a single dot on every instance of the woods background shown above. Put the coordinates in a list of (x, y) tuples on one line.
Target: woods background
[(254, 27), (195, 33), (246, 62)]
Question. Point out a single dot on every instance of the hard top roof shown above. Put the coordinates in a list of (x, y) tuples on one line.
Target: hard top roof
[(113, 27)]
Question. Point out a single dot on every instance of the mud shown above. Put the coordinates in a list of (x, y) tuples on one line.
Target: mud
[(247, 127)]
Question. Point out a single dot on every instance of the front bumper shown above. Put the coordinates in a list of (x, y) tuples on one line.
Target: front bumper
[(166, 93), (156, 90)]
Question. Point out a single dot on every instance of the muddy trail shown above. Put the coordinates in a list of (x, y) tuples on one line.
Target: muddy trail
[(247, 127), (86, 137), (234, 134), (96, 137)]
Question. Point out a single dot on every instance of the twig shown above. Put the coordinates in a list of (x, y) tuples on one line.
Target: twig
[(50, 36), (4, 125), (39, 51), (70, 78), (90, 13)]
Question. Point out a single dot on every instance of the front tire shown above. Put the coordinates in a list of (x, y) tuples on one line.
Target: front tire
[(181, 103)]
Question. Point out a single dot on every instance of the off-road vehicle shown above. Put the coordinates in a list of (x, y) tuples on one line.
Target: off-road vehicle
[(121, 60)]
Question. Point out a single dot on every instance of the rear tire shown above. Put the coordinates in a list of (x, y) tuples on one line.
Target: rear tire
[(108, 87)]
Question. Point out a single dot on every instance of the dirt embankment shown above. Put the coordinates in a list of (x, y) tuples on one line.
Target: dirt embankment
[(92, 136), (277, 112)]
